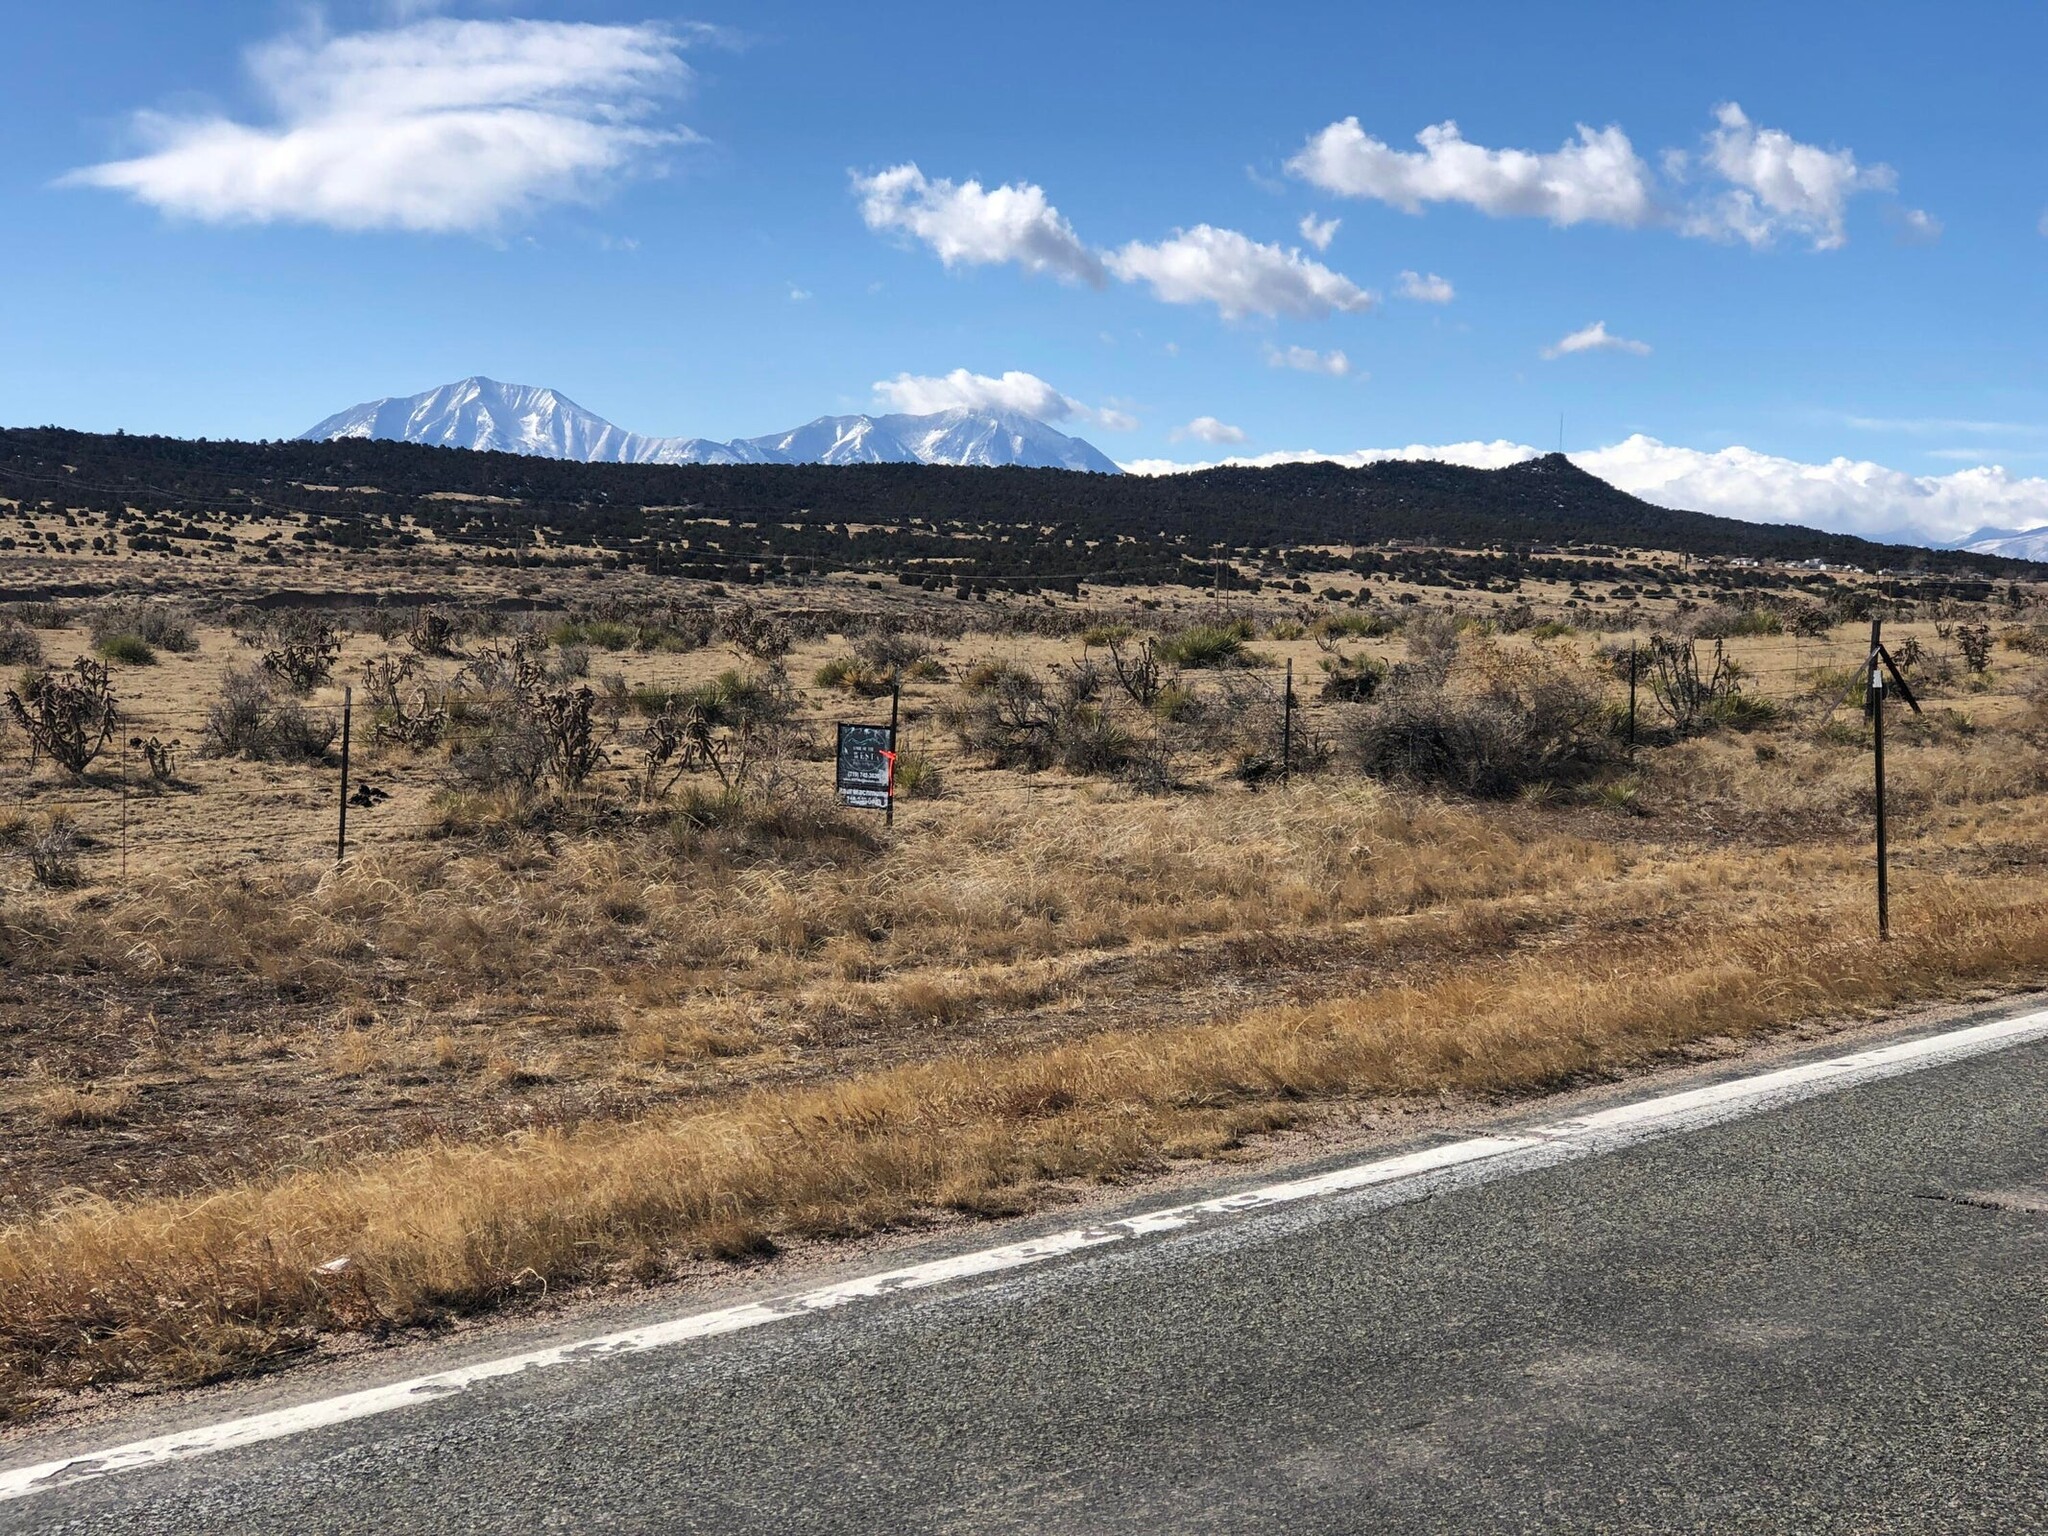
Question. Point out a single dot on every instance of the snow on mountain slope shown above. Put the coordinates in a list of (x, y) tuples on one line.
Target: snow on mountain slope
[(2011, 543), (831, 440), (489, 416), (964, 436)]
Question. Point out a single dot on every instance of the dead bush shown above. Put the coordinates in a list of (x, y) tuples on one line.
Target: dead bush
[(163, 626), (53, 846), (1019, 719), (91, 1106), (1247, 717), (898, 652), (1530, 717), (756, 632), (1432, 640), (252, 718), (2027, 639), (1351, 679), (19, 645)]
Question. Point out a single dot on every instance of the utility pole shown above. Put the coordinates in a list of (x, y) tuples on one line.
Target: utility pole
[(1879, 664)]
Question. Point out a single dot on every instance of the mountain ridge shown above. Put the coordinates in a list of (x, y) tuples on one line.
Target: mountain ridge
[(932, 523), (489, 416)]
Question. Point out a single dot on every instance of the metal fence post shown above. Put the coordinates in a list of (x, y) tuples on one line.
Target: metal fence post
[(1287, 727), (348, 697)]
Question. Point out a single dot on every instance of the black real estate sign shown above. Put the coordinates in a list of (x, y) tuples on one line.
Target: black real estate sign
[(864, 776)]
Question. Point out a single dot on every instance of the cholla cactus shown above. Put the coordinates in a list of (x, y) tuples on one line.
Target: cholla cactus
[(68, 716)]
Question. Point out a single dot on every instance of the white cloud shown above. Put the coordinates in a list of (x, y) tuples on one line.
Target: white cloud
[(1846, 495), (1841, 495), (1308, 360), (1319, 232), (1777, 185), (1916, 226), (1597, 177), (1595, 338), (1238, 275), (440, 125), (1209, 430), (799, 295), (1758, 183), (968, 225), (1025, 393), (1427, 288), (2042, 225)]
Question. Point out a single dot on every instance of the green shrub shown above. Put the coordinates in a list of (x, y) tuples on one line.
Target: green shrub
[(1742, 712), (918, 777), (129, 650), (853, 675), (1205, 645), (1724, 621), (1363, 626), (605, 634)]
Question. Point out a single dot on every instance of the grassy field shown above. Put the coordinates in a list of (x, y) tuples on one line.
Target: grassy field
[(675, 1013)]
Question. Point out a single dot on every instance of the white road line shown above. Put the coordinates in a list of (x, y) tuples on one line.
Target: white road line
[(1476, 1159)]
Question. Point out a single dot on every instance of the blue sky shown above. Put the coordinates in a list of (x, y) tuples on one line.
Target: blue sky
[(1728, 245)]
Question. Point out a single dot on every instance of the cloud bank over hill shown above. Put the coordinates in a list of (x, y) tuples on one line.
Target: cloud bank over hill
[(1841, 495)]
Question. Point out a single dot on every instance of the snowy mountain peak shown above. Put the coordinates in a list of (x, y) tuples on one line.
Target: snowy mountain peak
[(484, 414), (2010, 543)]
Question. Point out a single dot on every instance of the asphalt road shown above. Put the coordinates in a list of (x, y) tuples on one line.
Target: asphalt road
[(1788, 1322)]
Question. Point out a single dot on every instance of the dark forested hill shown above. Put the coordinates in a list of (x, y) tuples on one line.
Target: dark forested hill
[(1021, 527)]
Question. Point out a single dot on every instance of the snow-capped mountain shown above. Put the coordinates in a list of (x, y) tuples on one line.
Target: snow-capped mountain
[(2011, 543), (959, 436), (517, 418)]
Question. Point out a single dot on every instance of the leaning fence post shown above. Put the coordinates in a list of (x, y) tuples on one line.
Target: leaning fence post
[(348, 696)]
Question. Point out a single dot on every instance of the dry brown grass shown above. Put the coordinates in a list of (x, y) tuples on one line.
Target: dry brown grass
[(184, 1289), (512, 1046), (65, 1104)]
